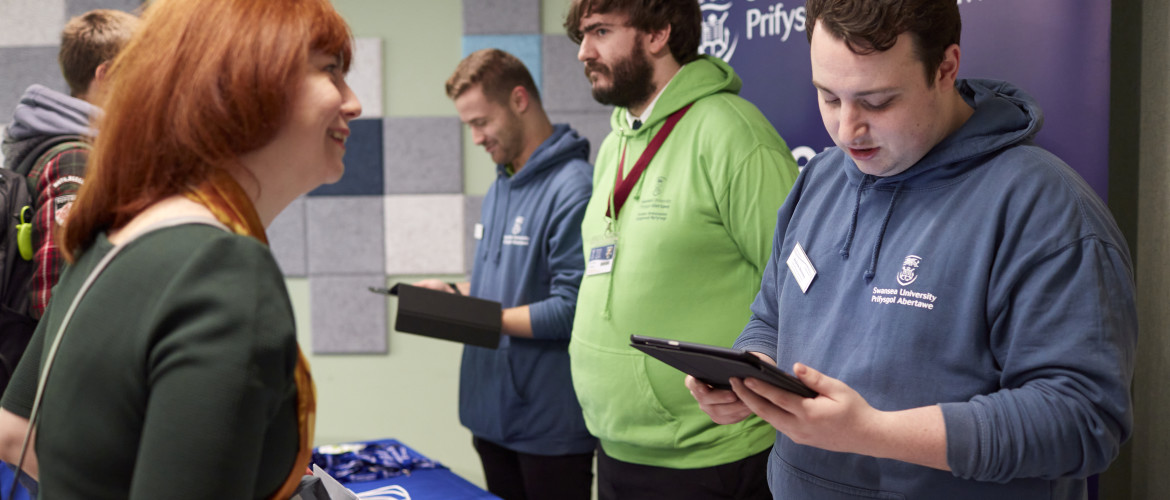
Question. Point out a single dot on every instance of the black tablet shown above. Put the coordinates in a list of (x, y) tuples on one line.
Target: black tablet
[(716, 365)]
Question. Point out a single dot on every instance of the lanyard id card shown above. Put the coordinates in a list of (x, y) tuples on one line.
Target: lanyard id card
[(601, 254)]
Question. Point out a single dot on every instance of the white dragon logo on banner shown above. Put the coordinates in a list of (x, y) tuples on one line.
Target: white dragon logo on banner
[(716, 40)]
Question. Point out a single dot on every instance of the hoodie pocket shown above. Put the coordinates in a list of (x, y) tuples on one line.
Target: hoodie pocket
[(619, 398), (801, 484)]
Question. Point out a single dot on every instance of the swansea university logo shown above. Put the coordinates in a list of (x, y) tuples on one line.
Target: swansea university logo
[(909, 270), (717, 40)]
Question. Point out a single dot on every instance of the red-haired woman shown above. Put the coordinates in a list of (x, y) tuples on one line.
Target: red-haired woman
[(177, 373)]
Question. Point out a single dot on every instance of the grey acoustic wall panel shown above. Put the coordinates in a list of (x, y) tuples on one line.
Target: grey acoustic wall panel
[(363, 162), (566, 88), (345, 234), (365, 76), (498, 17), (286, 238), (75, 8), (423, 155), (26, 23), (345, 317), (591, 125), (24, 66), (472, 208), (424, 234)]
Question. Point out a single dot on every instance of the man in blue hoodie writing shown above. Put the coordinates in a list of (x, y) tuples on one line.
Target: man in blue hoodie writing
[(518, 400), (959, 297)]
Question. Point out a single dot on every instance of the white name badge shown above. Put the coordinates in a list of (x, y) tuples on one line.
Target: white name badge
[(601, 254), (478, 231), (802, 268)]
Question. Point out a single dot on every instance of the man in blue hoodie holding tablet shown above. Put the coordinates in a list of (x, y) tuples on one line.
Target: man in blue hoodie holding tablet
[(518, 400), (959, 297)]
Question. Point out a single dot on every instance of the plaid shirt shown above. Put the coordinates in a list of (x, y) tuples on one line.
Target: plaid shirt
[(55, 184)]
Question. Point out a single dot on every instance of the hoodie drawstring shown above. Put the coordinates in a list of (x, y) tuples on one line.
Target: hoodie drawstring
[(853, 221), (877, 246)]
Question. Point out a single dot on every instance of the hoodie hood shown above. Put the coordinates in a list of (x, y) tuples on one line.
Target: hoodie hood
[(1004, 116), (43, 113), (697, 79), (562, 145)]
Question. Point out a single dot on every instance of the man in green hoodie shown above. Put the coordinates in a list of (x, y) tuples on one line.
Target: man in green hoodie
[(677, 233)]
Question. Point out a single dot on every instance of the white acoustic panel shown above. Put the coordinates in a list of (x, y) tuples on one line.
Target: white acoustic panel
[(424, 234), (346, 317), (365, 76), (286, 238), (25, 23), (345, 234)]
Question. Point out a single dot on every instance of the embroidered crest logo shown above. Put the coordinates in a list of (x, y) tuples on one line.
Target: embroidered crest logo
[(909, 270), (659, 184), (518, 225), (716, 37)]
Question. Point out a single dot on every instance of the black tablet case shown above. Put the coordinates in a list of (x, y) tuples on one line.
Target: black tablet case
[(716, 365), (447, 316)]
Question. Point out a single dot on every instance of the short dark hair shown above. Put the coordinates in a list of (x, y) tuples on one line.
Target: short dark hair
[(683, 17), (869, 26), (497, 72), (88, 41)]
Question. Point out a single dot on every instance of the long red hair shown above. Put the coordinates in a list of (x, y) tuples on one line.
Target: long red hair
[(201, 83)]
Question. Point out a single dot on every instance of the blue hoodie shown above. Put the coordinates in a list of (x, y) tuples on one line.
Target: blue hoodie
[(520, 396), (988, 279)]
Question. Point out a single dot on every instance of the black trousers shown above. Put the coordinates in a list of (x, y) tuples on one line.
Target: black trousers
[(743, 479), (512, 475)]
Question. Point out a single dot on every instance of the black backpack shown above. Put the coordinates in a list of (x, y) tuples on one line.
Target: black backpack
[(16, 272)]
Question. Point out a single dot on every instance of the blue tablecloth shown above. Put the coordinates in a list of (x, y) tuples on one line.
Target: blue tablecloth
[(424, 484)]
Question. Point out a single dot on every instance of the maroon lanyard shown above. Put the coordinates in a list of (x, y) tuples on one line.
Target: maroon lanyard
[(623, 187)]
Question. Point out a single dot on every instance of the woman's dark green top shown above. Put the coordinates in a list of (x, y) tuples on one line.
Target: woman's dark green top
[(175, 376)]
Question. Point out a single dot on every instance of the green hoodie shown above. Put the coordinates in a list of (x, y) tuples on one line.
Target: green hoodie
[(693, 239)]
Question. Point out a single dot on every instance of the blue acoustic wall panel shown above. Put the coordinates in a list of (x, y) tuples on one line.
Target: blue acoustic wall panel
[(424, 234), (365, 76), (363, 162), (286, 238), (345, 316), (472, 208), (24, 66), (591, 125), (567, 87), (423, 155), (75, 8), (26, 23), (345, 234), (497, 17), (526, 48)]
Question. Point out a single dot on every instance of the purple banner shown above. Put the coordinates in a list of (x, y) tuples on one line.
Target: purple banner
[(1057, 51)]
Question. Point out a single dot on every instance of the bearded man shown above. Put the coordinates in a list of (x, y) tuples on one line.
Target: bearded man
[(677, 234)]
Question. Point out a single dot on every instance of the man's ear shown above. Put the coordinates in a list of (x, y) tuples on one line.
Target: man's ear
[(948, 69), (519, 100), (658, 41)]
